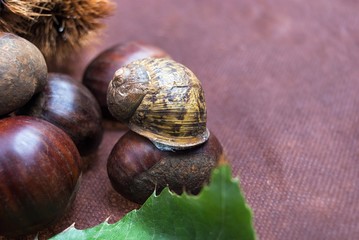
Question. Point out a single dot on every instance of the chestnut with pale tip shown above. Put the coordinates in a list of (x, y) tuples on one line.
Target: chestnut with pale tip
[(40, 168), (137, 168), (100, 70), (69, 105), (23, 72)]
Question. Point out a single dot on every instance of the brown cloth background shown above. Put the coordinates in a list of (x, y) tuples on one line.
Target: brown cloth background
[(281, 80)]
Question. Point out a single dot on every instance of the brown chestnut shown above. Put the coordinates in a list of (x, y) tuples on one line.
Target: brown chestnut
[(70, 106), (40, 167), (136, 167), (101, 69), (23, 72)]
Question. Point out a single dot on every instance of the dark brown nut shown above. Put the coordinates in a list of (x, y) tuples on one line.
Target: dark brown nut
[(136, 167), (40, 168), (23, 72), (70, 106), (100, 71)]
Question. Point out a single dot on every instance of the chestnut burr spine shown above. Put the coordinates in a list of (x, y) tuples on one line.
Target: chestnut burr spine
[(57, 27)]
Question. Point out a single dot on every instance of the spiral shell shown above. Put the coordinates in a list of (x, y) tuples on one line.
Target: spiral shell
[(161, 100)]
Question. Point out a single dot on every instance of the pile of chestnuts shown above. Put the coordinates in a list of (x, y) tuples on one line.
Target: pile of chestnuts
[(162, 103), (48, 123)]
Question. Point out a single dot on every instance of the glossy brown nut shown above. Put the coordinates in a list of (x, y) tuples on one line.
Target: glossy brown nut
[(70, 106), (40, 168), (100, 71), (136, 167), (23, 72)]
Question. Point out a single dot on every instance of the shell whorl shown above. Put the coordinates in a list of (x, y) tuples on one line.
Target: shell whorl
[(161, 100), (126, 91)]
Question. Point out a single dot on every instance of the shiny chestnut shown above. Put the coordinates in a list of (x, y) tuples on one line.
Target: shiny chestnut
[(39, 171), (136, 167), (70, 106), (101, 69)]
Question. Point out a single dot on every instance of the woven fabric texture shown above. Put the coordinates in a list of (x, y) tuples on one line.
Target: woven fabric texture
[(281, 80)]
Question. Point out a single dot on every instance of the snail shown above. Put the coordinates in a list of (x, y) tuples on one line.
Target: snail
[(162, 100), (168, 143)]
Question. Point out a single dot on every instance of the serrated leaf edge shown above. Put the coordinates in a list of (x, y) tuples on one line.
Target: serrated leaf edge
[(205, 188)]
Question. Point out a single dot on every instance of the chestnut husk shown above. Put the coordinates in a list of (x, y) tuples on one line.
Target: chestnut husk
[(137, 168)]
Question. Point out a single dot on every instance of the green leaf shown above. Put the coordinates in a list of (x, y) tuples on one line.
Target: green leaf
[(218, 212)]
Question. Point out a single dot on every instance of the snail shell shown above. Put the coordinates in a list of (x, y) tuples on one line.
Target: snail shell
[(161, 100)]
